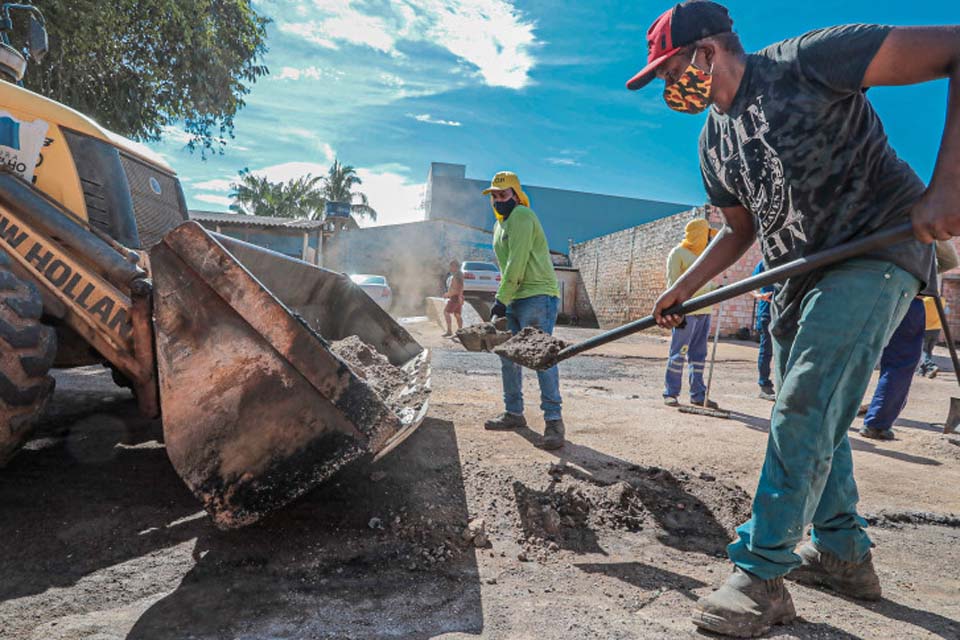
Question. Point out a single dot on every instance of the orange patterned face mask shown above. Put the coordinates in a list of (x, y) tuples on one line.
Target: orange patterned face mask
[(691, 93)]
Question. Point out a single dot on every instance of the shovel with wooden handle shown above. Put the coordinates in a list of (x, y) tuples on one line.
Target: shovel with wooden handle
[(542, 360), (953, 417)]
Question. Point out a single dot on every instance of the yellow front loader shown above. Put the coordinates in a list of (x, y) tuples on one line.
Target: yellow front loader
[(227, 342)]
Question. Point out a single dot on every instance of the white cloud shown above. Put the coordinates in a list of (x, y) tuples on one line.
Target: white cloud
[(328, 152), (214, 199), (290, 171), (489, 34), (492, 36), (170, 133), (218, 184), (307, 73), (341, 22), (426, 117), (563, 162)]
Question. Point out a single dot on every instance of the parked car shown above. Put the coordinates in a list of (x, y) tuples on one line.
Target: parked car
[(376, 287), (480, 277)]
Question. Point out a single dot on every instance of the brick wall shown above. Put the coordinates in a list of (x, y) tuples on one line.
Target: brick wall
[(625, 272)]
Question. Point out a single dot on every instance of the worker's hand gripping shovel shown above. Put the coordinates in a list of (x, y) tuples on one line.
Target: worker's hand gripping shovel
[(549, 351), (953, 417)]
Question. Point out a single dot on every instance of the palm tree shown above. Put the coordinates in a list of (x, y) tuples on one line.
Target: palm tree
[(338, 187), (298, 198)]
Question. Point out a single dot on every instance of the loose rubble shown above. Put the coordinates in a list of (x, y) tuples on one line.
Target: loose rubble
[(532, 348)]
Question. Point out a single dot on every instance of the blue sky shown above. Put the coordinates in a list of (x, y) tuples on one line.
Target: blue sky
[(533, 86)]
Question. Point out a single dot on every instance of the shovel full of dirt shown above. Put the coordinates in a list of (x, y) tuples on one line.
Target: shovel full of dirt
[(485, 336), (536, 350)]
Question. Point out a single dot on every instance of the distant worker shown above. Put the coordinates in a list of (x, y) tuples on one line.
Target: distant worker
[(762, 325), (528, 296), (899, 360), (454, 296), (689, 341), (928, 368)]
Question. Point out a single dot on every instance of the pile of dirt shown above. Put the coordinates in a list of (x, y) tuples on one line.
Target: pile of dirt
[(400, 390), (895, 518), (679, 509), (371, 366), (532, 348)]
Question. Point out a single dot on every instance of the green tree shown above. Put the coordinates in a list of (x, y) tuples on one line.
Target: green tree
[(136, 66), (338, 187), (300, 198)]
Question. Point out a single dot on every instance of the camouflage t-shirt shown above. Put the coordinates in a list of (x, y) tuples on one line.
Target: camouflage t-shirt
[(802, 149)]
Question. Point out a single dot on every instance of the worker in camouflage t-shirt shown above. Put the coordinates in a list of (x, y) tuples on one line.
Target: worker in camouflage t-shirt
[(796, 157)]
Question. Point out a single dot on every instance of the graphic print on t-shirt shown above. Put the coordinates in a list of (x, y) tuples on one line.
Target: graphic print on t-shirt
[(749, 165)]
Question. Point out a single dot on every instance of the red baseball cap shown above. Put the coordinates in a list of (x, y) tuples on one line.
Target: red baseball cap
[(684, 24)]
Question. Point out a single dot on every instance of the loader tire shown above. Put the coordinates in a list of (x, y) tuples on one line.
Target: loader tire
[(27, 350)]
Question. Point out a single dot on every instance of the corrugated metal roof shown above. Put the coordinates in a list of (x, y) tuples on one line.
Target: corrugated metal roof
[(243, 220)]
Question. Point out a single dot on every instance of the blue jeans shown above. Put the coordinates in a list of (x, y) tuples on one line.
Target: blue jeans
[(688, 343), (822, 372), (541, 312), (766, 351), (897, 366)]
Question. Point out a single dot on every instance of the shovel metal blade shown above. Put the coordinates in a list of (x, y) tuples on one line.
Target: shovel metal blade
[(256, 409), (953, 417)]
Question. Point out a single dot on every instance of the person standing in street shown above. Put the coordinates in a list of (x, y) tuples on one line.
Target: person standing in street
[(528, 296), (899, 359), (796, 157), (454, 296), (931, 334), (689, 342), (762, 325)]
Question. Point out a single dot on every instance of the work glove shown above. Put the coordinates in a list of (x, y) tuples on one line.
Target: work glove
[(499, 310)]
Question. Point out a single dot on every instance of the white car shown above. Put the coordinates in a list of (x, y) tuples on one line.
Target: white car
[(376, 287), (480, 277)]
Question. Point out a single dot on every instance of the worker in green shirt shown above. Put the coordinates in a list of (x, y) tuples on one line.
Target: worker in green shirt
[(528, 296)]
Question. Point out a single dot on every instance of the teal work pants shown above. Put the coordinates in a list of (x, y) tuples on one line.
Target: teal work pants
[(822, 372)]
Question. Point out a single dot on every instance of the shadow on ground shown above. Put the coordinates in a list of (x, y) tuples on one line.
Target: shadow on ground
[(92, 499), (857, 444), (318, 569)]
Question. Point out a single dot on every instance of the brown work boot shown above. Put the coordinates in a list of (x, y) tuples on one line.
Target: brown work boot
[(506, 421), (823, 569), (552, 435), (745, 606)]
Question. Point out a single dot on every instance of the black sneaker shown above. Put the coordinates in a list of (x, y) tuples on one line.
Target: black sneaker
[(552, 435), (671, 401), (506, 421), (745, 606), (767, 393), (877, 434), (823, 569)]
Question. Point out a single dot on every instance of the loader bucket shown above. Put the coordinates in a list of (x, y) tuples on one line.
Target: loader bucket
[(256, 407)]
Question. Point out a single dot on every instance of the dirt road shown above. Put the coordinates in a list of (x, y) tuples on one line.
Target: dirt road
[(614, 536)]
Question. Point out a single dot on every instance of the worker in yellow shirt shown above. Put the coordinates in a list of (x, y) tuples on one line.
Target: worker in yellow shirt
[(930, 336), (690, 340)]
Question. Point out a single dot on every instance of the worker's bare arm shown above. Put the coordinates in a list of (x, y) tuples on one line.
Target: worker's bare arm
[(911, 55), (725, 250)]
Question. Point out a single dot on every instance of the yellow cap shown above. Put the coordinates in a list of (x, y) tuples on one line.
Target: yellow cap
[(502, 181), (507, 180)]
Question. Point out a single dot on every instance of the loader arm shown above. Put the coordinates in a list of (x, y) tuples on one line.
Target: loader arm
[(96, 285)]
